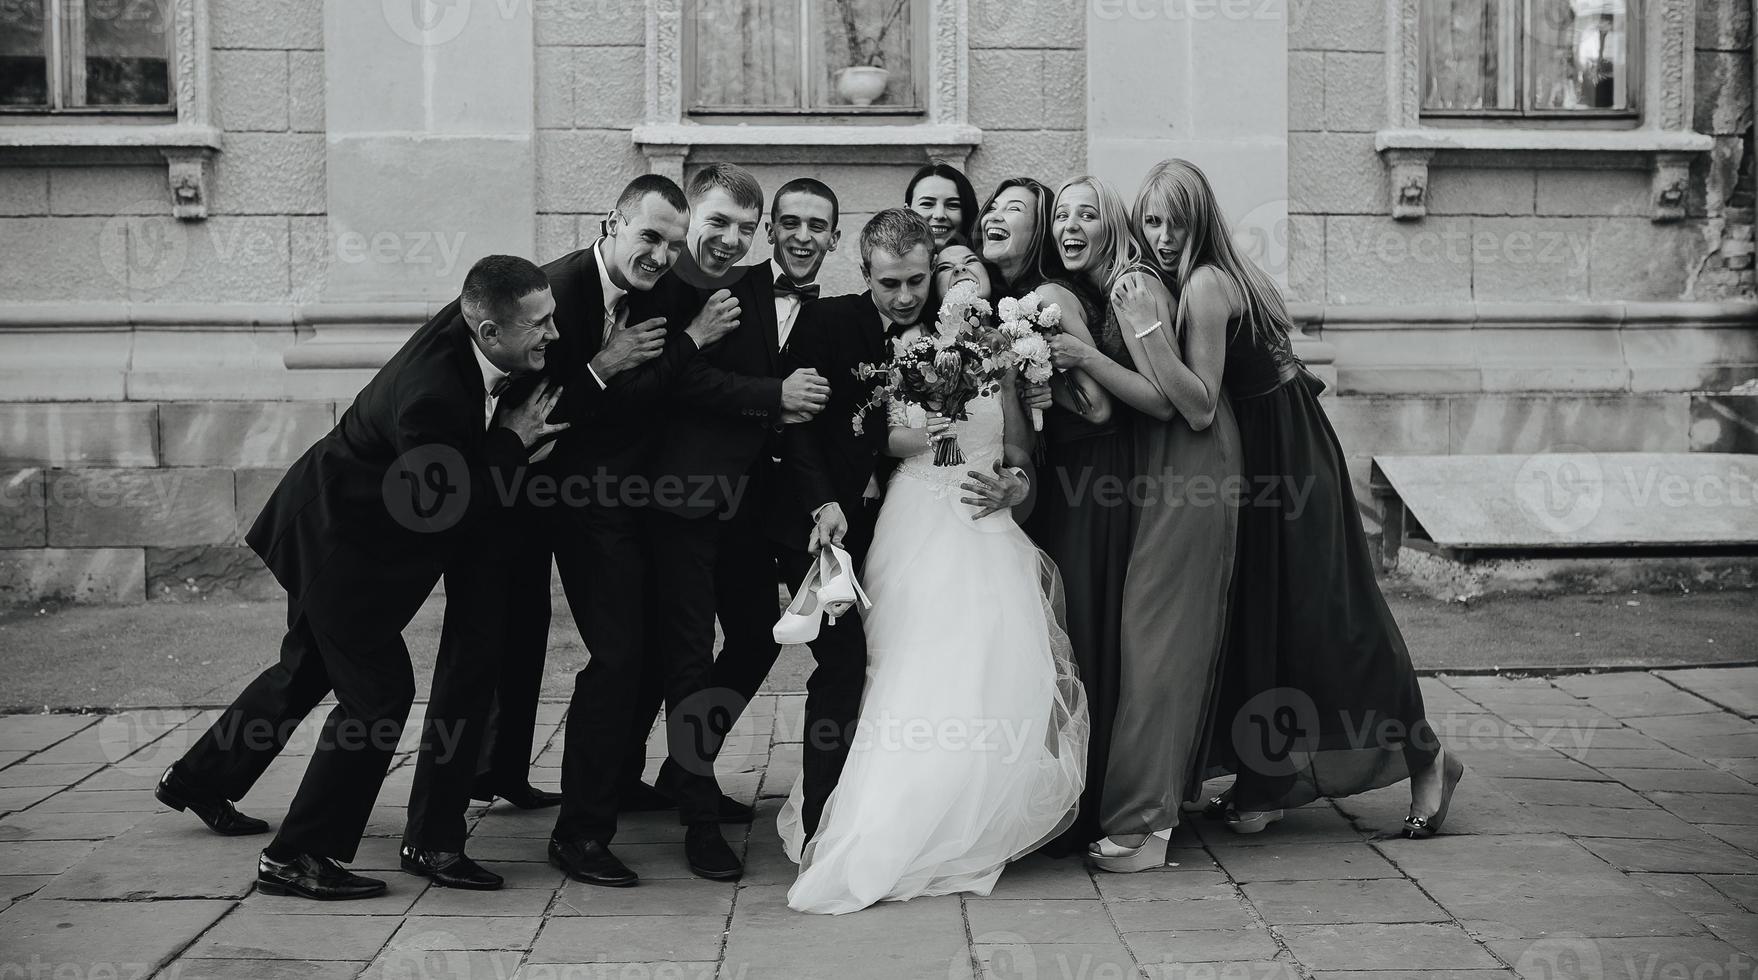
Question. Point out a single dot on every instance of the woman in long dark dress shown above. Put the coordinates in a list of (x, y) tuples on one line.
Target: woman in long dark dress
[(1186, 455), (1086, 438), (1317, 696)]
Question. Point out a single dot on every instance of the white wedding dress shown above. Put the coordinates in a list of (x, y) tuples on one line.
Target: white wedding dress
[(971, 745)]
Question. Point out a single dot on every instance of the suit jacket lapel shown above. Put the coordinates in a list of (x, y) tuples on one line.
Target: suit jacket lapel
[(764, 273), (592, 298)]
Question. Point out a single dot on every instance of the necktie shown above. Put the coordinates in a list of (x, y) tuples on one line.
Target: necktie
[(785, 286), (613, 318), (500, 387)]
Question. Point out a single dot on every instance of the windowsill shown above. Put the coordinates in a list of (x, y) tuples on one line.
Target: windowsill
[(668, 145), (96, 135), (1409, 151), (1538, 139), (770, 134)]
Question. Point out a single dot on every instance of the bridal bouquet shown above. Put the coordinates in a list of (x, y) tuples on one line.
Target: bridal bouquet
[(1028, 326), (942, 372)]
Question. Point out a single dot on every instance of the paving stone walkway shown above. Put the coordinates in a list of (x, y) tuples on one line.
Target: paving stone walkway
[(1608, 829)]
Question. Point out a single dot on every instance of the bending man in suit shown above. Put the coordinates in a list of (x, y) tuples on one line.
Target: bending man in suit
[(401, 493)]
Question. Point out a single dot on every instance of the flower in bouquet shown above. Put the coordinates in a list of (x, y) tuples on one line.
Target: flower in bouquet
[(1028, 323)]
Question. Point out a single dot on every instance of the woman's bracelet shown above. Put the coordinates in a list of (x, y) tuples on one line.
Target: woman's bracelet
[(1144, 333)]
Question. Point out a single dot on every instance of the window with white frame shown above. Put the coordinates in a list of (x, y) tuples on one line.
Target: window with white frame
[(94, 57), (1529, 59), (789, 58)]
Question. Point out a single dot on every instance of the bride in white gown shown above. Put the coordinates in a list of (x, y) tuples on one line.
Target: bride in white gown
[(971, 744)]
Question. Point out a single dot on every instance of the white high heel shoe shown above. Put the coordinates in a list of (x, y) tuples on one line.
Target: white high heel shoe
[(830, 589)]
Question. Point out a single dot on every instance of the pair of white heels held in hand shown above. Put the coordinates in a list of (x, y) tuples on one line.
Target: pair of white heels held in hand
[(830, 589)]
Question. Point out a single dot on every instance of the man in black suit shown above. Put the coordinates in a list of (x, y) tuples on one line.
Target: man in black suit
[(802, 230), (708, 473), (618, 352), (622, 346), (401, 493)]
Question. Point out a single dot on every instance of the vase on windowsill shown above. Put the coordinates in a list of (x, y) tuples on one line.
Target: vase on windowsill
[(862, 84)]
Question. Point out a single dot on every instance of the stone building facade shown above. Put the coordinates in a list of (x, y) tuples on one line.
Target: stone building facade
[(188, 298)]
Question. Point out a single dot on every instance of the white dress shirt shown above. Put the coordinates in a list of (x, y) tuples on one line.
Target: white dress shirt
[(491, 378), (616, 305)]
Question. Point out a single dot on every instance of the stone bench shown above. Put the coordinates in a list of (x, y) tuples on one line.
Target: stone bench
[(1546, 522)]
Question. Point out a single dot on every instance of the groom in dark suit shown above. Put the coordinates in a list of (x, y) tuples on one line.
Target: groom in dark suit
[(833, 475), (400, 494)]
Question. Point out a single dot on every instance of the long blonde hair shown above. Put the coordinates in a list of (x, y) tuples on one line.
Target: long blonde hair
[(1181, 193), (1120, 250)]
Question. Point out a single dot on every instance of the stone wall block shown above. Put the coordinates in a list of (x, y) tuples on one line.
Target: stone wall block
[(305, 91), (1306, 91), (1335, 173), (1378, 260), (106, 508), (238, 434), (1568, 423), (23, 523), (270, 173), (609, 87), (1355, 92), (202, 571), (267, 24), (1039, 24), (79, 434), (580, 171), (1460, 190), (250, 90), (77, 575)]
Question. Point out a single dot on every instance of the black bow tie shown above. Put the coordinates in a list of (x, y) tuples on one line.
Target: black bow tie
[(785, 286)]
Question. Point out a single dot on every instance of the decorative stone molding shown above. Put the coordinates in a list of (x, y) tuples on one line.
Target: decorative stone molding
[(1409, 183), (1664, 138), (1671, 183), (666, 136)]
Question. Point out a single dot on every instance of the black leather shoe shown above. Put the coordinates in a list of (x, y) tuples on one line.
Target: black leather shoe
[(449, 869), (591, 862), (215, 811), (524, 796), (709, 855), (310, 876)]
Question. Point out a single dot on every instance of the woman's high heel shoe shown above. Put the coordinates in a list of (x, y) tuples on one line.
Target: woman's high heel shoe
[(1250, 821), (1213, 808), (1107, 855), (829, 589), (1422, 828)]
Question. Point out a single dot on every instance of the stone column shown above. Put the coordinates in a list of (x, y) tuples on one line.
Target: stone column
[(429, 166)]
